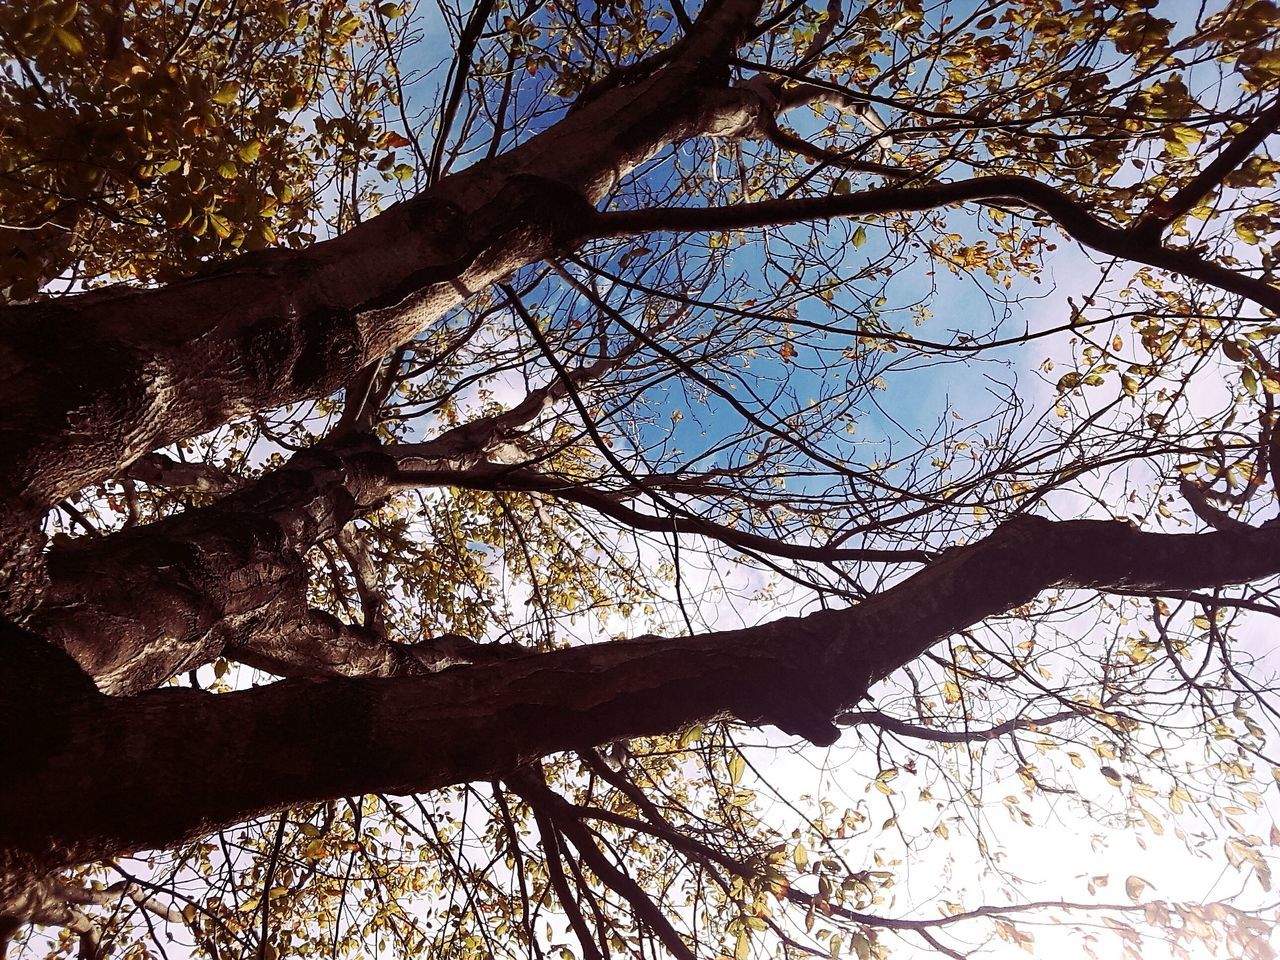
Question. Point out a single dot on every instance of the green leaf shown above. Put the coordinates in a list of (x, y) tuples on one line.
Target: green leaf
[(859, 236), (1250, 381)]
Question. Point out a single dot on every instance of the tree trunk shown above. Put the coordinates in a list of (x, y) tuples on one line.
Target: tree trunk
[(91, 383), (96, 776), (151, 602)]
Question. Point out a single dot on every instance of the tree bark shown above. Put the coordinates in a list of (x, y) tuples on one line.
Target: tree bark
[(90, 383), (151, 602), (99, 776)]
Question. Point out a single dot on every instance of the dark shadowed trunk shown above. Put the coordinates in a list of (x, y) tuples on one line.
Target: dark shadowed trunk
[(101, 776)]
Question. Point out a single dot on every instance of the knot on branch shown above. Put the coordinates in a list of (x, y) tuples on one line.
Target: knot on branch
[(801, 684), (797, 711)]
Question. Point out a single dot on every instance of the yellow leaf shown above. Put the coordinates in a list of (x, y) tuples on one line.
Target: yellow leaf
[(69, 40), (227, 93), (800, 856), (1245, 231), (220, 225), (1184, 134), (1134, 887)]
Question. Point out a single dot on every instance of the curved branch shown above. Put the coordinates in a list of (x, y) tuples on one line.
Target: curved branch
[(169, 764), (1070, 214), (1163, 212), (490, 476), (789, 141), (533, 788), (918, 732)]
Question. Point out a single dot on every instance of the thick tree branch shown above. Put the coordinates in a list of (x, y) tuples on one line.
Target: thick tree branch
[(90, 383), (1163, 212), (362, 569), (150, 602), (161, 470), (166, 765), (1198, 499)]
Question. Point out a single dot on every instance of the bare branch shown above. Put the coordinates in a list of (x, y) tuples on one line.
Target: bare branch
[(884, 721), (1071, 215)]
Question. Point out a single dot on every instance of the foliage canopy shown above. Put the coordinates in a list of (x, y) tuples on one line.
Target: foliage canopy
[(529, 424)]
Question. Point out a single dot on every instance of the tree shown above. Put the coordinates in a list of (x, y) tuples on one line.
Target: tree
[(654, 306)]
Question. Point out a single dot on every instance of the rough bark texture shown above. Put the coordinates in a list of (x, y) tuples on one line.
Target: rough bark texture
[(100, 775), (91, 383), (151, 602)]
